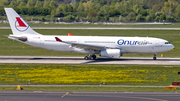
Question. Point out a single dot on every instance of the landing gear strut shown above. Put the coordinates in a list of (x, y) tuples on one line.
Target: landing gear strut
[(154, 58), (90, 57)]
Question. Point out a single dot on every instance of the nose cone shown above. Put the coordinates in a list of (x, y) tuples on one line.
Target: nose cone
[(172, 46)]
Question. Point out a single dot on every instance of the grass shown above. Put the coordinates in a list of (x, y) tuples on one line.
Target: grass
[(81, 74), (174, 25), (13, 48), (126, 89)]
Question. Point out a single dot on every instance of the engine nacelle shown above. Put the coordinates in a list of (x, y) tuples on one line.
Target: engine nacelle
[(111, 53)]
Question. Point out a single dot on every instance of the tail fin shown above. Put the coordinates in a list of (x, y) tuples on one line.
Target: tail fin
[(18, 25)]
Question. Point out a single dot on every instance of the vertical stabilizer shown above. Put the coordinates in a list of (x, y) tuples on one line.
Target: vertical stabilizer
[(17, 24)]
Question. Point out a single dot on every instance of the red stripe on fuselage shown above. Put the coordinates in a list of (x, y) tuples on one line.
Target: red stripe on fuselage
[(21, 24)]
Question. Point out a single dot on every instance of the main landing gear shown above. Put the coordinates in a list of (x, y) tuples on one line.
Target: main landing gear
[(154, 58), (90, 57)]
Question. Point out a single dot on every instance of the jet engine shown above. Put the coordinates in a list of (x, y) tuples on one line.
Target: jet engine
[(111, 53)]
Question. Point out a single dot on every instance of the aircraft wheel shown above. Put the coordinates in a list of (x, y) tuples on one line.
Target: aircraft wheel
[(91, 58), (86, 58), (94, 57), (154, 58)]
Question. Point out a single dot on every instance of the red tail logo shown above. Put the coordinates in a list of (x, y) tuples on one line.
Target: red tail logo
[(21, 24)]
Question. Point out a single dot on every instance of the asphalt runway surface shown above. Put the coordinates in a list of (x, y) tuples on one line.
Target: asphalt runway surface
[(80, 60), (135, 28), (86, 86), (87, 96)]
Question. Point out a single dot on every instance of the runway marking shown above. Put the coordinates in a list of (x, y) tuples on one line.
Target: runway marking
[(168, 66), (65, 94), (147, 98), (174, 61), (128, 92), (48, 94), (123, 97), (38, 91)]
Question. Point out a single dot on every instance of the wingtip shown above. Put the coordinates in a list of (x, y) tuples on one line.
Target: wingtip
[(57, 39)]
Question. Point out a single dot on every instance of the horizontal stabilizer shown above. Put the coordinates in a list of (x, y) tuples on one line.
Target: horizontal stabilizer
[(20, 38), (69, 34)]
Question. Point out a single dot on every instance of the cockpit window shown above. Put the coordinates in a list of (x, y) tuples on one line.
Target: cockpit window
[(167, 42)]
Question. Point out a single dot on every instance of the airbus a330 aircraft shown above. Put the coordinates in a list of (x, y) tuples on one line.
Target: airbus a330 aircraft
[(111, 47)]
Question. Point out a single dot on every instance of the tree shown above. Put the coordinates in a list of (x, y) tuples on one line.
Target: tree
[(143, 12), (169, 8), (106, 18), (45, 11), (59, 11), (139, 18), (80, 7), (46, 3), (52, 4), (31, 11), (38, 4), (21, 1), (24, 10), (148, 18), (135, 7), (177, 12), (131, 16), (4, 3), (69, 18), (52, 14), (95, 6), (22, 4), (30, 3), (92, 14), (169, 18), (120, 18), (123, 7), (13, 3), (162, 17), (69, 8), (157, 8), (113, 12), (2, 12), (104, 11), (113, 2), (75, 6), (157, 18), (158, 13)]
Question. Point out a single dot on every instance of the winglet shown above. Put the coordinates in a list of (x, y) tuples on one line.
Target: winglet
[(57, 39), (69, 34)]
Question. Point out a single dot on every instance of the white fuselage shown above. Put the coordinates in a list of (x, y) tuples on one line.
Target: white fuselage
[(125, 44)]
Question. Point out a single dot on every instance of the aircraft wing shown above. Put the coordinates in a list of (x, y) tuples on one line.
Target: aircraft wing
[(83, 46)]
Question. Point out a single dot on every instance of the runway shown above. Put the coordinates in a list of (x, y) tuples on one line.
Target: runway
[(127, 28), (80, 60), (85, 86), (87, 96)]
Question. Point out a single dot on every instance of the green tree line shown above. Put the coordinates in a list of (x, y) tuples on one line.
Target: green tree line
[(97, 10)]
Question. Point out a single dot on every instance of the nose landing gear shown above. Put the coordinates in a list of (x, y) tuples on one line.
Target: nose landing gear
[(90, 57), (154, 58)]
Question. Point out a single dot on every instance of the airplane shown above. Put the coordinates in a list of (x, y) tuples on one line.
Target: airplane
[(105, 46)]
